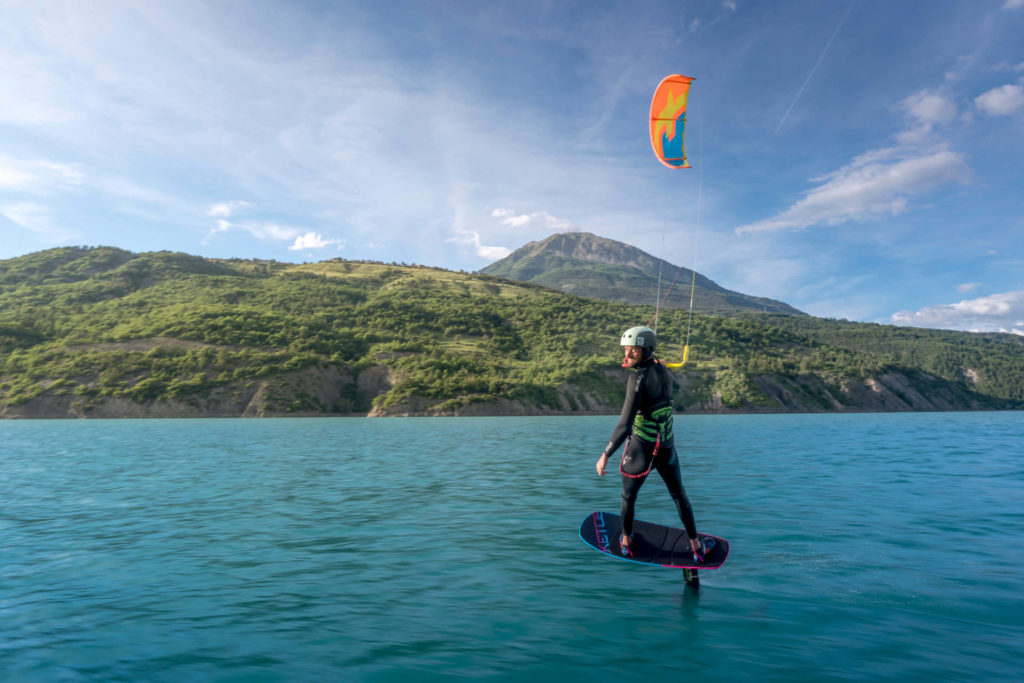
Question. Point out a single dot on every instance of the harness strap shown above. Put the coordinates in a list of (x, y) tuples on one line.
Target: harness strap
[(657, 446)]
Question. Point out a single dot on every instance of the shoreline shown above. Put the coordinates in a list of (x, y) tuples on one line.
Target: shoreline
[(359, 416)]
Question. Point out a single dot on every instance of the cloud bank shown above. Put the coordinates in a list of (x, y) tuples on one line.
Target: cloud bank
[(995, 313), (875, 184), (881, 182)]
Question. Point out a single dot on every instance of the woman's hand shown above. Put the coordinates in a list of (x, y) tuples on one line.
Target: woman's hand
[(602, 463)]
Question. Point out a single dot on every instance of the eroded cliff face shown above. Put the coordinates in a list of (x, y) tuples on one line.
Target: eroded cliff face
[(326, 390), (887, 392), (564, 400), (330, 390)]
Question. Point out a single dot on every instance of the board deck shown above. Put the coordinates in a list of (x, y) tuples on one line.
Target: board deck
[(652, 543)]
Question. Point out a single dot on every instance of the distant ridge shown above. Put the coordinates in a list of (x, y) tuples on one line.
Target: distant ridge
[(585, 264)]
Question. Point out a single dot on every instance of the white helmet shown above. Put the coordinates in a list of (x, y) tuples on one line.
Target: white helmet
[(642, 336)]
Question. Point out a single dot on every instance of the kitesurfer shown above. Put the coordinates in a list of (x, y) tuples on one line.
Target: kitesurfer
[(646, 427)]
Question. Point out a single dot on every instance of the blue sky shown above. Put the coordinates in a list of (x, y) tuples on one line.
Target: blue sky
[(857, 160)]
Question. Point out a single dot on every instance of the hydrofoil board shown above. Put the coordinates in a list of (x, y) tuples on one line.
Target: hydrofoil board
[(652, 543)]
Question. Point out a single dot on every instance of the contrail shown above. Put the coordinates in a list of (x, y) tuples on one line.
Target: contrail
[(815, 67)]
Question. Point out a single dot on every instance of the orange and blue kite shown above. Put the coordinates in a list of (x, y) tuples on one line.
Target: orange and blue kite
[(668, 120)]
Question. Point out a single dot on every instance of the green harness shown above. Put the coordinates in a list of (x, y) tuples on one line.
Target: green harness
[(658, 424)]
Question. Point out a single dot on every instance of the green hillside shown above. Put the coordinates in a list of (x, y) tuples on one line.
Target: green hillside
[(104, 332), (989, 362)]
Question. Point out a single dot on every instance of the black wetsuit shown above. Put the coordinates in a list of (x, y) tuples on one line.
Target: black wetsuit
[(646, 425)]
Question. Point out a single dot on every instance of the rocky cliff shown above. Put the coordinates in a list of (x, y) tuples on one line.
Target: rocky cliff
[(329, 391)]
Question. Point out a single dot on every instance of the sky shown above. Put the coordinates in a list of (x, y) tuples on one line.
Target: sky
[(857, 159)]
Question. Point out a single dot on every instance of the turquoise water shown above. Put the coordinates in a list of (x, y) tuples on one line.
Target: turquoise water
[(863, 547)]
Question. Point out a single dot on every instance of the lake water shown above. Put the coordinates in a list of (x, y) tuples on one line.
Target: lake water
[(863, 547)]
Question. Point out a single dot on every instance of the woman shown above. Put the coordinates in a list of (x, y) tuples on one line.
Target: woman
[(646, 427)]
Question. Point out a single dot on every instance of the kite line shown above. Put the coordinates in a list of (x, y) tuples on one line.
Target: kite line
[(668, 127)]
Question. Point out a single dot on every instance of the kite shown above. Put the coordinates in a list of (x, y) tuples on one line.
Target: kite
[(668, 120)]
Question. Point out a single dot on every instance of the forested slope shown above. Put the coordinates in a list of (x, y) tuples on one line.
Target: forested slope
[(104, 332)]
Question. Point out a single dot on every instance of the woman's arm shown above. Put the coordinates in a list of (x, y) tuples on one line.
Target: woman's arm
[(629, 409)]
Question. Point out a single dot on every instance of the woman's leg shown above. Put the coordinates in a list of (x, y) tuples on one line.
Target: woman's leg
[(668, 468), (635, 461)]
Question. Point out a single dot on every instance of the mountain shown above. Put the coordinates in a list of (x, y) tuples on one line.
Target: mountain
[(103, 332), (584, 264)]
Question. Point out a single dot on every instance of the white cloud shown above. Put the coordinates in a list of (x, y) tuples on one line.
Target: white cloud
[(1002, 101), (540, 218), (879, 182), (28, 215), (508, 217), (926, 109), (263, 231), (226, 209), (35, 218), (967, 287), (39, 176), (471, 237), (300, 238), (61, 182), (873, 185), (492, 253), (272, 231), (995, 313), (312, 240), (929, 107), (1013, 4)]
